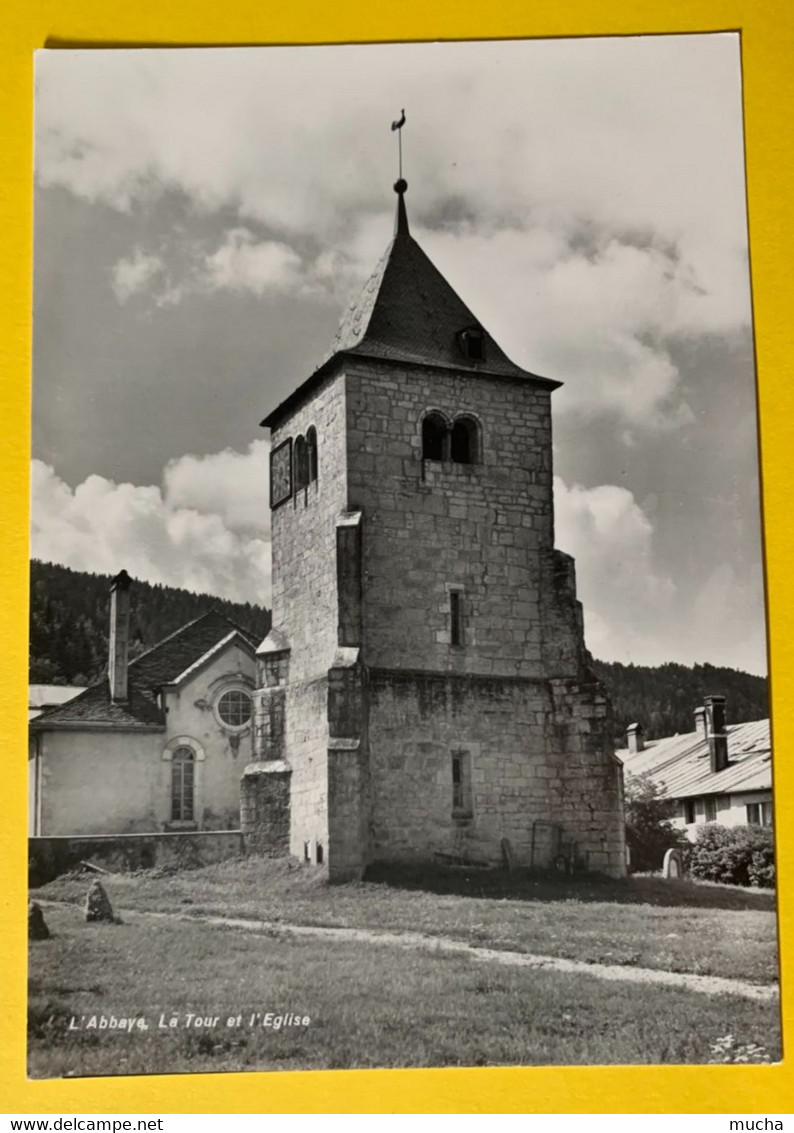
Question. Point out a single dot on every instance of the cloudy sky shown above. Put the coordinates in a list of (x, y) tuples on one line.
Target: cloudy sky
[(203, 217)]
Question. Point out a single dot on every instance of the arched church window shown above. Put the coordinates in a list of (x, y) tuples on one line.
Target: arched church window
[(301, 451), (465, 441), (183, 784), (311, 444), (435, 433)]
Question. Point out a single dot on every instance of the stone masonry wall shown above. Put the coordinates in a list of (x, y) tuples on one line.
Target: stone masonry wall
[(304, 536), (430, 525), (531, 757), (306, 746), (265, 808)]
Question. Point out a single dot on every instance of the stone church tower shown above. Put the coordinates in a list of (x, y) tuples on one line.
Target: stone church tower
[(425, 693)]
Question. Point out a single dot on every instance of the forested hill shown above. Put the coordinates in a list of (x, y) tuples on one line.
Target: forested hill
[(663, 698), (69, 612), (69, 627)]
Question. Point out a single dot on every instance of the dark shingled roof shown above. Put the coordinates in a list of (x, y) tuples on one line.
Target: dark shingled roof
[(159, 666), (408, 313), (165, 661)]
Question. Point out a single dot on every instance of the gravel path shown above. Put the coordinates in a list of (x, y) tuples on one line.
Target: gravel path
[(707, 985)]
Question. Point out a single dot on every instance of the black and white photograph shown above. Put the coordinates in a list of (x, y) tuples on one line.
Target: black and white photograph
[(398, 662)]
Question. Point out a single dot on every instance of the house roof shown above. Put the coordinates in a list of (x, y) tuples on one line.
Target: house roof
[(163, 664), (181, 650), (47, 696), (680, 764), (408, 313)]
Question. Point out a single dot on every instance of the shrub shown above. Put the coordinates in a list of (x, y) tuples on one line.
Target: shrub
[(735, 855), (649, 832)]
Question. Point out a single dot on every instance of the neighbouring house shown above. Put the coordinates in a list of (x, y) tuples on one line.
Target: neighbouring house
[(719, 773), (42, 697), (158, 745), (425, 693)]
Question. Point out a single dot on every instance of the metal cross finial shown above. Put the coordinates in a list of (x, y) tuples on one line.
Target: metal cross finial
[(398, 126)]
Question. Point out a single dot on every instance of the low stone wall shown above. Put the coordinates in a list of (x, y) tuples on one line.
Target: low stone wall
[(50, 856)]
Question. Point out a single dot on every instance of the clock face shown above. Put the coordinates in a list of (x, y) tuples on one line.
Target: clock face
[(281, 473)]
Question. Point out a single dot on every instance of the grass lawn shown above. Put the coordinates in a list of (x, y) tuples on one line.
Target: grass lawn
[(369, 1005), (645, 921)]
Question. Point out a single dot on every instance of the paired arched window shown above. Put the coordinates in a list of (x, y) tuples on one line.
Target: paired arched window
[(458, 442), (183, 784), (304, 455)]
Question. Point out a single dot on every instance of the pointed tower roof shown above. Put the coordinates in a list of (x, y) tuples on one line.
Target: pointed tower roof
[(407, 313)]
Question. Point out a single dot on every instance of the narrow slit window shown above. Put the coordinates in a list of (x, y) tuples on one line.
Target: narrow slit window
[(455, 617), (711, 809), (457, 782), (689, 811), (461, 783)]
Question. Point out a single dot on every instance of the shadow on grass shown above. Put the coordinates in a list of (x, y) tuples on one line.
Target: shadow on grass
[(521, 885)]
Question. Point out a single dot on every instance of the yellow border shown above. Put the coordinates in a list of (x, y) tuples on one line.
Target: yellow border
[(768, 59)]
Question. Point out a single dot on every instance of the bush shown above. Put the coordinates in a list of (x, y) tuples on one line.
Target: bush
[(649, 832), (735, 855)]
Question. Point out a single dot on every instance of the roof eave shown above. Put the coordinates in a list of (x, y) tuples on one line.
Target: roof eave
[(91, 726), (298, 394)]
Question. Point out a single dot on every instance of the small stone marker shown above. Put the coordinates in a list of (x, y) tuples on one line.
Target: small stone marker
[(508, 860), (97, 905), (673, 866), (37, 926)]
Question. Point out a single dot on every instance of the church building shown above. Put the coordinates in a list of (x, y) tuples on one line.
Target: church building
[(425, 693)]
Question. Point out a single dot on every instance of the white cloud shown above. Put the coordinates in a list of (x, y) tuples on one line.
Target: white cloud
[(594, 208), (242, 263), (202, 530), (135, 273), (627, 603), (633, 612), (229, 484)]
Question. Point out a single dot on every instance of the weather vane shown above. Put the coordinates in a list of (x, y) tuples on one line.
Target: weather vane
[(398, 126)]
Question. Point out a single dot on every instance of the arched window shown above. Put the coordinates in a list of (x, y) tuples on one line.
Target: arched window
[(311, 444), (465, 441), (183, 784), (434, 437), (301, 463)]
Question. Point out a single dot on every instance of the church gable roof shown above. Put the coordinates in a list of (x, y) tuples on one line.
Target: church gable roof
[(163, 664)]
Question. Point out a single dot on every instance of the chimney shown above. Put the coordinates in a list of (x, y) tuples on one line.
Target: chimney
[(119, 637), (716, 734), (700, 721), (634, 738)]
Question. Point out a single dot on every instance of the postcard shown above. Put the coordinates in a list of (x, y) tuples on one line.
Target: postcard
[(398, 676)]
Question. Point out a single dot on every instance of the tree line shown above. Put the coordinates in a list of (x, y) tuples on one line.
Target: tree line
[(69, 619), (69, 645)]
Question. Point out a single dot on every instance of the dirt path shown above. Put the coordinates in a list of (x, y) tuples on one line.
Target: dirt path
[(708, 985)]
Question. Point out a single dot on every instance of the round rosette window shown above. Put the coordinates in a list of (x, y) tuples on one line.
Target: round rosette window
[(234, 708)]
